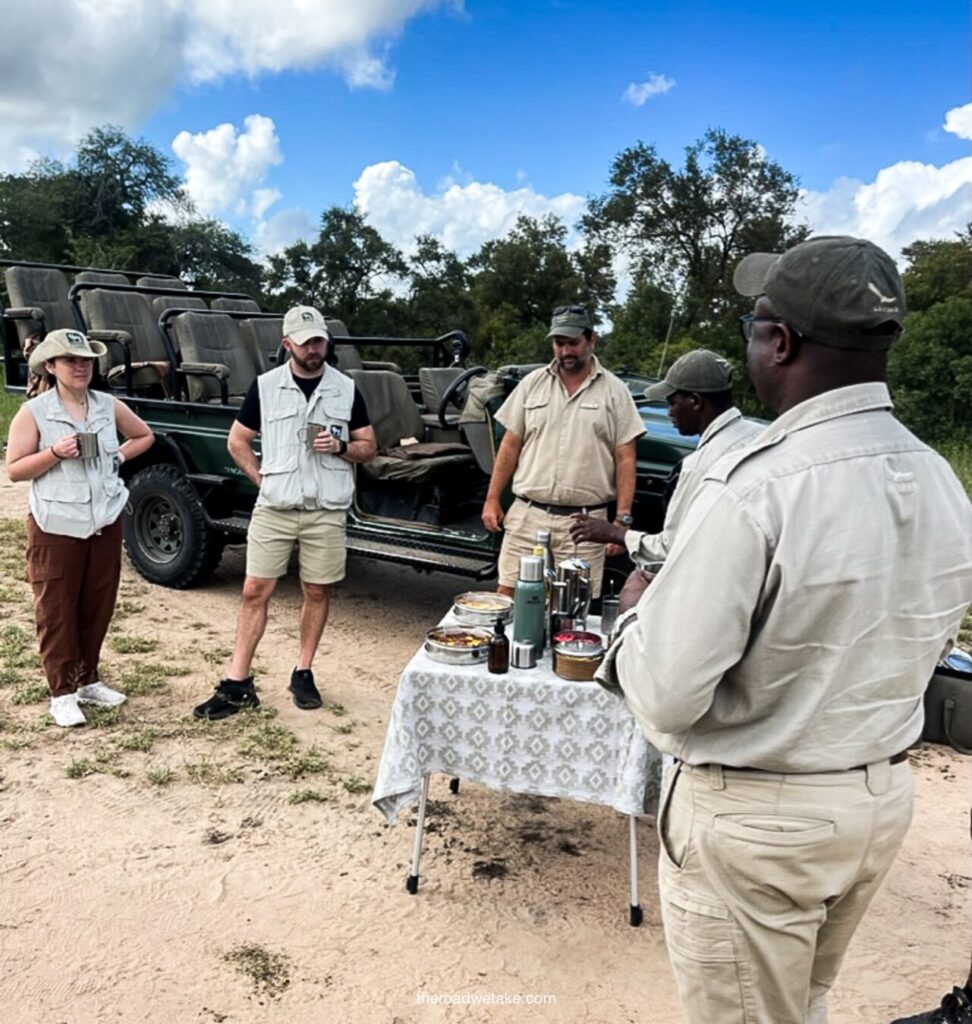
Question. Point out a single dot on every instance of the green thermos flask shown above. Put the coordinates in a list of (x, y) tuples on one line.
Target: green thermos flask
[(530, 602)]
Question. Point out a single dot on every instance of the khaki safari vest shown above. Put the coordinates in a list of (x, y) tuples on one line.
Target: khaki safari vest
[(292, 476), (77, 497)]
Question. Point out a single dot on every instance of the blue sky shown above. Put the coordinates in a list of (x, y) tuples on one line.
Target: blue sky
[(451, 117)]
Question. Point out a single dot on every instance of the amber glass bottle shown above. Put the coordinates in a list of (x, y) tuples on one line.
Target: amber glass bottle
[(499, 649)]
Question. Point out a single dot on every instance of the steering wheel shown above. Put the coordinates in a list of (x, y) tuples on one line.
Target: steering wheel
[(455, 393)]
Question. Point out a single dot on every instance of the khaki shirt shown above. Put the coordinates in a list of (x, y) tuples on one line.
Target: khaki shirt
[(809, 593), (727, 432), (569, 440)]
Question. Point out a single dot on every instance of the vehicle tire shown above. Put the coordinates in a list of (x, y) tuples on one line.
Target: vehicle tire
[(166, 534)]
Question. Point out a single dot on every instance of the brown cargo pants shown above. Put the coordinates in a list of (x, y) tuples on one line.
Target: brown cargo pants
[(75, 583)]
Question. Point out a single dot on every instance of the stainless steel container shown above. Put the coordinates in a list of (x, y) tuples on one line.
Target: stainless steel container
[(482, 608), (577, 655), (523, 654), (443, 644)]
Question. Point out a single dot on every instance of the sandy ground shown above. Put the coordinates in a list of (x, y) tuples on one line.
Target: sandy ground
[(154, 869)]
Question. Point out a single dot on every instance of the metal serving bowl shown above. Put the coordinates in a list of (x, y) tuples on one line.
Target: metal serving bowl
[(482, 608), (438, 647)]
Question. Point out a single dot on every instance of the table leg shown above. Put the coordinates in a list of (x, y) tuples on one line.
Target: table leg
[(635, 914), (411, 883)]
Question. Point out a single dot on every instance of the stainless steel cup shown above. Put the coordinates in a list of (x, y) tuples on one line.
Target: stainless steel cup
[(609, 613), (523, 654), (87, 445), (308, 434)]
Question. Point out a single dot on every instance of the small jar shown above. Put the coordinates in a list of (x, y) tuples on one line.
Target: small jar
[(577, 655)]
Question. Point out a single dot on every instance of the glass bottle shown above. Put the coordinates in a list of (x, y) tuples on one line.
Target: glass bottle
[(499, 650)]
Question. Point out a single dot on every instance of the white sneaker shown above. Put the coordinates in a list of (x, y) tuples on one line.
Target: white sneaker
[(100, 695), (65, 710)]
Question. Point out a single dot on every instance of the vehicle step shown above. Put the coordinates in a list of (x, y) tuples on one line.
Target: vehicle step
[(232, 524), (479, 567), (207, 478)]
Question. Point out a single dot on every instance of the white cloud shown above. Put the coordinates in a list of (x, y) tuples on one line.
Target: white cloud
[(224, 166), (638, 93), (461, 216), (282, 229), (70, 65), (958, 121), (906, 201)]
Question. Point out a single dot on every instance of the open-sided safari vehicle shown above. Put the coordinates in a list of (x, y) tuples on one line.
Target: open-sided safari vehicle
[(183, 360)]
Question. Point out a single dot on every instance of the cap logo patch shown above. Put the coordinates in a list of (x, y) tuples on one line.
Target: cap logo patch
[(307, 316), (75, 340), (872, 287)]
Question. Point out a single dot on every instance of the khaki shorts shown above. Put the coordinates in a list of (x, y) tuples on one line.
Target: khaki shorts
[(318, 533), (520, 536)]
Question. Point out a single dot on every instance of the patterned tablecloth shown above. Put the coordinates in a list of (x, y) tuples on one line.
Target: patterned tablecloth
[(527, 731)]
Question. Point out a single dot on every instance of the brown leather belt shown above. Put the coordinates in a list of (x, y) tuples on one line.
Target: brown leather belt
[(902, 755), (562, 510)]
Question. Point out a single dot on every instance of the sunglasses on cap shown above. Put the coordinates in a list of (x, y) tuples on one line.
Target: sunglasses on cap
[(577, 310)]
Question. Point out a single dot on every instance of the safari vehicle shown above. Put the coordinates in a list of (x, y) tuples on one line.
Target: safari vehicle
[(183, 360)]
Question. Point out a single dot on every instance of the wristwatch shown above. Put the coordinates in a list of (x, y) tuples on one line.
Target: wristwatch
[(624, 518), (344, 447)]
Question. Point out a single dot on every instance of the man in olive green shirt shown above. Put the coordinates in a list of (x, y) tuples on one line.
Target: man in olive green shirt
[(569, 446)]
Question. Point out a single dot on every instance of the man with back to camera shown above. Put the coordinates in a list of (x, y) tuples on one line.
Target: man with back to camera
[(814, 583), (306, 484), (698, 392), (569, 446)]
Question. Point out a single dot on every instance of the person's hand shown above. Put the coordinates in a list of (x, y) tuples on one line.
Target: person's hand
[(327, 443), (634, 586), (613, 550), (67, 447), (493, 516), (592, 528)]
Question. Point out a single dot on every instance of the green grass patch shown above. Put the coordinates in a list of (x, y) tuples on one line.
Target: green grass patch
[(216, 655), (345, 728), (133, 645), (356, 784), (30, 693), (80, 768), (312, 761), (101, 718), (13, 548), (269, 973), (209, 773), (19, 740), (306, 796), (10, 677), (140, 679), (140, 740), (268, 741), (160, 776), (16, 645), (959, 455), (338, 710)]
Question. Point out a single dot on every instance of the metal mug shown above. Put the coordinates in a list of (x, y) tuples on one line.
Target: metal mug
[(523, 654), (87, 445), (308, 434), (609, 613)]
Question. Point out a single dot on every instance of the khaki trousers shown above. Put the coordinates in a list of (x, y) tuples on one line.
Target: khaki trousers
[(763, 879), (75, 582)]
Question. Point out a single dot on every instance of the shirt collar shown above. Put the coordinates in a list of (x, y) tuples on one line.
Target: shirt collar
[(829, 406), (719, 423)]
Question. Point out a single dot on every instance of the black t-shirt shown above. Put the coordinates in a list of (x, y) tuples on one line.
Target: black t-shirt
[(249, 414)]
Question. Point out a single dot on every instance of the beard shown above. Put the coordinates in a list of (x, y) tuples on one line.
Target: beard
[(311, 362)]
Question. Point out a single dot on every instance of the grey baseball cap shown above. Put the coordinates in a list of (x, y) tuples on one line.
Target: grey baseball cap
[(700, 371), (64, 342), (569, 322), (833, 289), (301, 323)]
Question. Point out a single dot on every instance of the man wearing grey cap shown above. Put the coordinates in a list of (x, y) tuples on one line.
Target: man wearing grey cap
[(782, 653), (698, 391), (313, 424), (569, 447)]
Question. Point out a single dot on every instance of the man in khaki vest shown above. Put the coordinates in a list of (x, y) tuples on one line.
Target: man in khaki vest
[(782, 653)]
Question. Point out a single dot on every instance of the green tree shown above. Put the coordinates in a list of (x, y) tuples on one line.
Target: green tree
[(685, 230), (439, 298), (347, 272), (938, 270)]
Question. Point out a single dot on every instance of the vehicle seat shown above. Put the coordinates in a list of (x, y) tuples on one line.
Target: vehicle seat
[(38, 300), (434, 381), (160, 303), (227, 305), (476, 417), (100, 277), (125, 322), (262, 336), (211, 350), (161, 281), (395, 417)]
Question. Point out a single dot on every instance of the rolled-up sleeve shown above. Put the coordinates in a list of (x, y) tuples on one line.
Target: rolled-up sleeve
[(695, 620)]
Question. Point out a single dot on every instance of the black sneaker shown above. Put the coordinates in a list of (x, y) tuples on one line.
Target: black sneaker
[(306, 695), (230, 696), (956, 1008)]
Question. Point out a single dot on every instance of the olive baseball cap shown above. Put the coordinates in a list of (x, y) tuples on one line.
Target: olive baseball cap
[(700, 371), (302, 323), (569, 322), (833, 289), (64, 342)]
